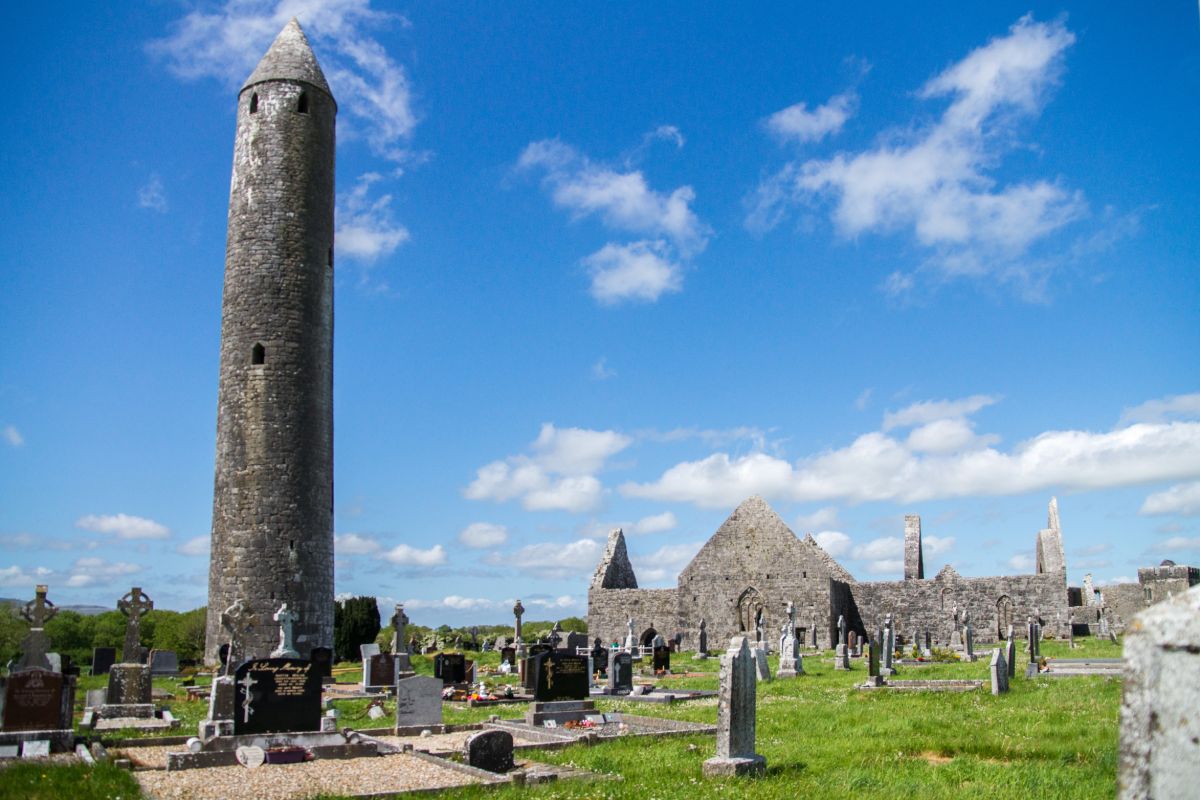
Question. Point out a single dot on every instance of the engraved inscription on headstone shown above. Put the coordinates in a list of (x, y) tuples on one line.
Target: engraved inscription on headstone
[(277, 694), (418, 701), (450, 667), (620, 673), (33, 701), (560, 676)]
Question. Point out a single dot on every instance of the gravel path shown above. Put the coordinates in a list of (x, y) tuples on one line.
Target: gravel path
[(397, 773)]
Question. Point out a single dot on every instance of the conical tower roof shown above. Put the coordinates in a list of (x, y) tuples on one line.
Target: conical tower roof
[(290, 58)]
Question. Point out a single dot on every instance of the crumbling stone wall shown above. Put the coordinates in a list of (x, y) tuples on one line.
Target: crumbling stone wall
[(610, 609)]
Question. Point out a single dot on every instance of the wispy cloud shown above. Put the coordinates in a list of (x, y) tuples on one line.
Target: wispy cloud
[(798, 123), (1182, 499), (601, 371), (1173, 407), (482, 535), (407, 555), (933, 181), (12, 436), (196, 546), (366, 229), (124, 526), (152, 195), (641, 270)]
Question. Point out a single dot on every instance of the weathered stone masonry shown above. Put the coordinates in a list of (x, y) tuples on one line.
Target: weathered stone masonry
[(272, 531)]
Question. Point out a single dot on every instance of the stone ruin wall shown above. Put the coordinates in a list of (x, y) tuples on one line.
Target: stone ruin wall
[(1126, 601), (716, 601), (929, 604), (610, 609)]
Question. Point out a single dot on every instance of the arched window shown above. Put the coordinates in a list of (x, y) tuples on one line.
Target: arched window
[(254, 103), (258, 355), (302, 103)]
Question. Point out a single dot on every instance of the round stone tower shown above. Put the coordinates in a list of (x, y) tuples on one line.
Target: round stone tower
[(272, 527)]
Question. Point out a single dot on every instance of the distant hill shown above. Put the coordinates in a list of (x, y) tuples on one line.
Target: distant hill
[(87, 611)]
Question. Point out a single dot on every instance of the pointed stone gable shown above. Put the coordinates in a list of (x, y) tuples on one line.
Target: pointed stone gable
[(755, 536), (290, 59), (615, 571)]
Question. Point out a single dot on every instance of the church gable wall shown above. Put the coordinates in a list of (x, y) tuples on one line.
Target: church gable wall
[(610, 609)]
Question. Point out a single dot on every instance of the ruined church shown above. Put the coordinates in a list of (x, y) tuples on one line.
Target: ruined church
[(748, 571)]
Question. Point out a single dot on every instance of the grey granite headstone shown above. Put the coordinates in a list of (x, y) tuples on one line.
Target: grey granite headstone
[(999, 673), (164, 663), (760, 660), (365, 651), (1160, 724), (736, 711), (418, 701), (1010, 653)]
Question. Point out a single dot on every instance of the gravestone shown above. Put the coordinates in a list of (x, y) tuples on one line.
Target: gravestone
[(102, 659), (534, 651), (576, 640), (367, 650), (450, 667), (999, 673), (399, 627), (129, 685), (560, 676), (874, 678), (276, 695), (223, 656), (164, 663), (600, 659), (134, 606), (662, 656), (702, 644), (620, 673), (418, 701), (1160, 726), (760, 660), (69, 667), (37, 612), (508, 655), (322, 658), (1010, 654), (38, 700), (379, 670), (489, 750), (286, 619), (736, 719)]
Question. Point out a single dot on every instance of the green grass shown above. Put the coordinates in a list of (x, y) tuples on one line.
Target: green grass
[(33, 781), (1049, 737)]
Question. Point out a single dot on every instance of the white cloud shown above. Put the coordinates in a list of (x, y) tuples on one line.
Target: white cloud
[(835, 543), (1116, 580), (1179, 543), (932, 180), (370, 86), (17, 577), (93, 571), (556, 474), (124, 526), (560, 602), (863, 399), (407, 555), (13, 436), (885, 566), (365, 227), (1022, 562), (1182, 499), (601, 371), (196, 546), (655, 523), (887, 547), (821, 518), (354, 544), (665, 563), (797, 123), (622, 199), (152, 195), (1166, 409), (931, 411), (454, 602), (937, 545), (554, 559), (876, 466), (480, 535), (635, 271)]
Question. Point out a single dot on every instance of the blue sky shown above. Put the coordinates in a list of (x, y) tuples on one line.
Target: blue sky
[(621, 268)]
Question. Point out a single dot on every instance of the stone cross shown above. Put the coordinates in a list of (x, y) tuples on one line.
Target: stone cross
[(759, 625), (841, 629), (556, 635), (399, 623), (814, 631), (736, 720), (518, 610), (286, 619), (1071, 628), (236, 620), (702, 647), (630, 640), (968, 636), (36, 644), (134, 605)]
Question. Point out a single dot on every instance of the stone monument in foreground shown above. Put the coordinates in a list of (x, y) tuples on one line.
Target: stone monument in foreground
[(1160, 709), (736, 715)]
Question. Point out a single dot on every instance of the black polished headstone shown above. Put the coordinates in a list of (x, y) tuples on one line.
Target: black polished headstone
[(284, 695), (381, 670), (489, 750), (102, 660), (600, 659), (575, 640), (508, 655), (620, 674), (322, 658), (223, 654), (560, 676), (662, 658), (450, 667)]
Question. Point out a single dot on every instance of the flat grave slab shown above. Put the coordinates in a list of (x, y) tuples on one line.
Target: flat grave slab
[(927, 686), (613, 726), (1074, 667)]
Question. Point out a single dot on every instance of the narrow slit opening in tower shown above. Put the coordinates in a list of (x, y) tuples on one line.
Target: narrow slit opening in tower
[(291, 544), (329, 258), (254, 103), (302, 103), (258, 355)]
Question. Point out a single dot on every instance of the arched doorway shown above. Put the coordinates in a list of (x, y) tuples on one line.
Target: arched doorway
[(647, 638), (1004, 616)]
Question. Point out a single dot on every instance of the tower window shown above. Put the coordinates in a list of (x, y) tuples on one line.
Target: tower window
[(329, 259), (291, 544), (254, 103), (258, 355), (302, 103)]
